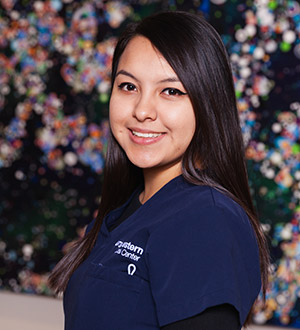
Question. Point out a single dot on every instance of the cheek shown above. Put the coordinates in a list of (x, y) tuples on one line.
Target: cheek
[(119, 108), (189, 122), (115, 113), (184, 123), (187, 130)]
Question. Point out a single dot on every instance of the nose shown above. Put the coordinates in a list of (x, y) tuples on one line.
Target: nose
[(145, 108)]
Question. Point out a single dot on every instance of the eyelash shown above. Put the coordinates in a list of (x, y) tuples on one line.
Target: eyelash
[(177, 91), (122, 85)]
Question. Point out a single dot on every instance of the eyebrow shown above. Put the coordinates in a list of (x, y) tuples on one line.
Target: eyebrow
[(128, 74), (125, 73)]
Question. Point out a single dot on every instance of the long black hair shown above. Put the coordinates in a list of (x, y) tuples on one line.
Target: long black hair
[(215, 156)]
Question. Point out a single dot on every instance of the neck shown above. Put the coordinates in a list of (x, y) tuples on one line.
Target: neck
[(155, 179)]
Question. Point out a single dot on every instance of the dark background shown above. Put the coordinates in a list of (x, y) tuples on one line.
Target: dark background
[(54, 90)]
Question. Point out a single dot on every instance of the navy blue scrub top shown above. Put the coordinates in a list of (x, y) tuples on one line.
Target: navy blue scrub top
[(186, 249)]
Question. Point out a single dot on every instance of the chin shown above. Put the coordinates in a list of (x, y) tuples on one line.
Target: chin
[(143, 164), (143, 161)]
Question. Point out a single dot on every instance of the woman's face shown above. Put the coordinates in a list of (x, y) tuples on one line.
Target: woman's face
[(151, 116)]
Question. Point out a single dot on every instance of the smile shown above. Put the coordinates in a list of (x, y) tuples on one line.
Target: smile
[(146, 135)]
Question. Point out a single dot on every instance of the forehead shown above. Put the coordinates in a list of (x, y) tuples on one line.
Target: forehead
[(141, 57)]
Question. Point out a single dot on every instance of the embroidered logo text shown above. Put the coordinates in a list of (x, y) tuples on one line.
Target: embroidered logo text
[(129, 250)]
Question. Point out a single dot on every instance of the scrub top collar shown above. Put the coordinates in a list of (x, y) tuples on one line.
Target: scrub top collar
[(115, 214)]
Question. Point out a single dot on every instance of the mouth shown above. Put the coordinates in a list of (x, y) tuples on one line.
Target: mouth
[(146, 135)]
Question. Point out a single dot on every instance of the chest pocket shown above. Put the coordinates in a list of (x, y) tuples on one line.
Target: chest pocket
[(109, 298), (118, 278)]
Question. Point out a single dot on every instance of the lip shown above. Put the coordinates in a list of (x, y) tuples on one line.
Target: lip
[(145, 131), (145, 140)]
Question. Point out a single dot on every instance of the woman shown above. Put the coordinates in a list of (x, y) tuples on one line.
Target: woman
[(176, 243)]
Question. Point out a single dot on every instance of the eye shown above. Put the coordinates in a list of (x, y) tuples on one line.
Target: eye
[(173, 92), (128, 87)]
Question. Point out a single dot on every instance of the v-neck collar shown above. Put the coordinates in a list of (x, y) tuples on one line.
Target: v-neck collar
[(115, 214)]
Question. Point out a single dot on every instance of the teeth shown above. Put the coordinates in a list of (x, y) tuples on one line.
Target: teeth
[(146, 135)]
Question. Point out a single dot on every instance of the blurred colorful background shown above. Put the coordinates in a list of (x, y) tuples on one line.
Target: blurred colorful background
[(55, 59)]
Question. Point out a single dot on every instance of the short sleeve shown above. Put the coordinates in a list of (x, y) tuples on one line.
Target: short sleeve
[(202, 258)]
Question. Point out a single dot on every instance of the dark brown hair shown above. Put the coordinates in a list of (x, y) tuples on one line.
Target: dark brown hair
[(196, 53)]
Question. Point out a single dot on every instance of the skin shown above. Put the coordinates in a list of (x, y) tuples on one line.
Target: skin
[(151, 115)]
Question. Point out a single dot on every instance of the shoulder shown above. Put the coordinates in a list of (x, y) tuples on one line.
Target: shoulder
[(207, 216), (200, 205), (203, 196), (90, 226), (181, 193)]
